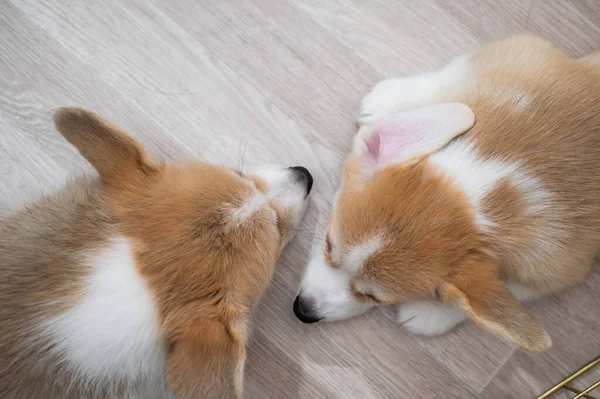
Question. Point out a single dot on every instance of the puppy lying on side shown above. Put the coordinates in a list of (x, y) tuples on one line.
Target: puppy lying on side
[(452, 218), (139, 283)]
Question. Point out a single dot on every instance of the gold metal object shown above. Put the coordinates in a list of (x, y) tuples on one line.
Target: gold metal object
[(588, 390), (577, 391), (565, 384)]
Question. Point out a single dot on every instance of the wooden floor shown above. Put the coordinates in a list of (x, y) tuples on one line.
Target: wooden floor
[(280, 81)]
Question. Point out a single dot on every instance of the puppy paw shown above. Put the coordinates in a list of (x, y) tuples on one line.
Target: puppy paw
[(428, 318), (389, 96)]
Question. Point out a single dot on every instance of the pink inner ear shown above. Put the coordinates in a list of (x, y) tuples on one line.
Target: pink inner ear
[(372, 143), (393, 137)]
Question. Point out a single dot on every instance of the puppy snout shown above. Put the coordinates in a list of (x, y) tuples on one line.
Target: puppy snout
[(304, 175), (304, 311)]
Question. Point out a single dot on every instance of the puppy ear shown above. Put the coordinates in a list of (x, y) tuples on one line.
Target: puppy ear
[(111, 151), (407, 136), (486, 300), (206, 361)]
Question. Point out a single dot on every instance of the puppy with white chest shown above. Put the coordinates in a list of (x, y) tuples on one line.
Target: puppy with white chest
[(468, 191), (139, 283)]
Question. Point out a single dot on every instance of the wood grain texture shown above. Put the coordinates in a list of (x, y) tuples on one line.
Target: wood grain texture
[(240, 82), (572, 320)]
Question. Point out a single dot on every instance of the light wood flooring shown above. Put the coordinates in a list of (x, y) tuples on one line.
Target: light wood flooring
[(280, 81)]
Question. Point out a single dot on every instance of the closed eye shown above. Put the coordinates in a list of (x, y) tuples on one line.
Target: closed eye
[(327, 250), (366, 296), (370, 297)]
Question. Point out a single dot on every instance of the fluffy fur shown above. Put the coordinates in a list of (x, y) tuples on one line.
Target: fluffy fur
[(505, 212), (139, 283)]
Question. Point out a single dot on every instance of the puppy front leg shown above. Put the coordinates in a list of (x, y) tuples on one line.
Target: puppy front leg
[(429, 318), (433, 319), (402, 94)]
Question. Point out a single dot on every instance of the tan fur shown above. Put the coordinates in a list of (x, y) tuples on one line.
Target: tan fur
[(533, 106), (39, 251), (206, 274)]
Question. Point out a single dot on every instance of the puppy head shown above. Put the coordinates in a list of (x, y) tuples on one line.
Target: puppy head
[(400, 231), (205, 237)]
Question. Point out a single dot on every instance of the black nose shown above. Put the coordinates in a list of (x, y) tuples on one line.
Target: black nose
[(303, 312), (304, 175)]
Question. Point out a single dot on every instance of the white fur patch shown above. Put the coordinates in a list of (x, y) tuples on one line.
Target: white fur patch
[(433, 319), (401, 94), (497, 96), (477, 177), (428, 318), (521, 101), (549, 231), (284, 188), (328, 290), (523, 293), (358, 254), (533, 191), (114, 330), (248, 208)]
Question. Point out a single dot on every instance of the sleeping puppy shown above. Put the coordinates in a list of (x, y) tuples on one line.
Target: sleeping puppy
[(139, 283), (449, 217)]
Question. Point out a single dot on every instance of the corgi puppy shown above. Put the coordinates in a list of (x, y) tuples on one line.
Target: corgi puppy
[(468, 190), (141, 282)]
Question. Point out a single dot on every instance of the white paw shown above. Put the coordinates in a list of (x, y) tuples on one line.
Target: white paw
[(391, 95), (402, 94), (428, 318)]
